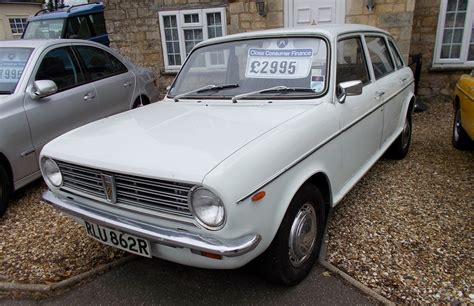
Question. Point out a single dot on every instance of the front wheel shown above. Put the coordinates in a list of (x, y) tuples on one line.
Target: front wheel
[(296, 245), (4, 190), (400, 147), (461, 140)]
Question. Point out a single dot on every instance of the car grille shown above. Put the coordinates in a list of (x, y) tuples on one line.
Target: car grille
[(150, 194)]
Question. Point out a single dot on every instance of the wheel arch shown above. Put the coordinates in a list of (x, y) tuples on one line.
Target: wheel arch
[(6, 165)]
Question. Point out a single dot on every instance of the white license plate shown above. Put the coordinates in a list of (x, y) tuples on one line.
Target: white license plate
[(118, 239)]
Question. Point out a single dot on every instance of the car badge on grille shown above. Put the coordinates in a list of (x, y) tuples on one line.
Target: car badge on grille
[(109, 187)]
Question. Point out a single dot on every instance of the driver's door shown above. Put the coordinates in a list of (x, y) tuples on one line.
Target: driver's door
[(74, 104)]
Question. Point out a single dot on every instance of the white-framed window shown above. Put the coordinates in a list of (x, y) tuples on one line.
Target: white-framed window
[(182, 30), (17, 24), (455, 35)]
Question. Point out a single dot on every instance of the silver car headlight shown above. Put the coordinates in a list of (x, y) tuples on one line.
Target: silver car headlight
[(207, 208), (51, 172)]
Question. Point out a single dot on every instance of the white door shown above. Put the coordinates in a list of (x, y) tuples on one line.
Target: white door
[(303, 13)]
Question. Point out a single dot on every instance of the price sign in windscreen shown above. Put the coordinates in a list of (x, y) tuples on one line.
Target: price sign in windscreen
[(12, 63), (278, 63)]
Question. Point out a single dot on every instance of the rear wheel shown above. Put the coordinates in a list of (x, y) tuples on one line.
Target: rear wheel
[(461, 140), (400, 147), (5, 190), (296, 245)]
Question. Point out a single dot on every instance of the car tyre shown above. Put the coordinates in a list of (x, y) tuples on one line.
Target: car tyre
[(5, 190), (461, 140), (295, 248), (400, 147)]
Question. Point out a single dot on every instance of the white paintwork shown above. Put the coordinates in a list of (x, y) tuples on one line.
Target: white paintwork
[(300, 13), (239, 149)]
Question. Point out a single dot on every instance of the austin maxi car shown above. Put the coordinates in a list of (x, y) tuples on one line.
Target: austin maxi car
[(258, 136), (463, 127)]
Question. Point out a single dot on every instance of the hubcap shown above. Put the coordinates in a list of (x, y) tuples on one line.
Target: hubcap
[(406, 133), (302, 235), (457, 125)]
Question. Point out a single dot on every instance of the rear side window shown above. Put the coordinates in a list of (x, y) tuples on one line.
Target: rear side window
[(99, 63), (378, 51), (98, 24), (396, 55), (351, 64), (78, 27), (60, 66)]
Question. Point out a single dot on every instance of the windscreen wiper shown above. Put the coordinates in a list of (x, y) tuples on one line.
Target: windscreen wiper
[(204, 89), (272, 89)]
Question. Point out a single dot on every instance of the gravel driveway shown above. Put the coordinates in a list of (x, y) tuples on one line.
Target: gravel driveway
[(406, 230)]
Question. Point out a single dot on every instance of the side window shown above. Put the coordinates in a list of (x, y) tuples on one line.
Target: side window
[(396, 55), (351, 64), (378, 51), (100, 64), (98, 23), (78, 27), (60, 66)]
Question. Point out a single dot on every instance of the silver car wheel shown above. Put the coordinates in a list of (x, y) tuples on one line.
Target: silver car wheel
[(303, 235)]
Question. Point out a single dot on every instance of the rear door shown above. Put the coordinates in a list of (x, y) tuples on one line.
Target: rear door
[(73, 105), (114, 83), (360, 119)]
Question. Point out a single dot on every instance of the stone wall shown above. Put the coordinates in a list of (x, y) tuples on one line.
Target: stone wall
[(394, 16), (133, 26), (432, 83)]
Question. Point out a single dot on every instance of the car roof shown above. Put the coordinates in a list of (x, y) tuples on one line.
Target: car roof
[(69, 11), (331, 31), (43, 43)]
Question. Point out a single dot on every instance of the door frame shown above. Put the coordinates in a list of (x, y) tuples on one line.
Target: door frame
[(288, 6)]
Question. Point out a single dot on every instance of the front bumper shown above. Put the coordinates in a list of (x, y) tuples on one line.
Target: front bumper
[(154, 233)]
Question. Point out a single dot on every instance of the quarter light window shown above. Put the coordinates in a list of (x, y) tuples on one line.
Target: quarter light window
[(455, 39), (182, 30)]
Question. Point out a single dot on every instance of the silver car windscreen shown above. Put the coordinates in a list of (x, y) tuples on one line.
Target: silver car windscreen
[(12, 63)]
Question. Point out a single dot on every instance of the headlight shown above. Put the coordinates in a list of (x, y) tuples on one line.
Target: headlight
[(51, 172), (207, 208)]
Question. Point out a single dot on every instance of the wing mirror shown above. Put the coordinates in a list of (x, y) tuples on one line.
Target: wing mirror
[(349, 88), (42, 88)]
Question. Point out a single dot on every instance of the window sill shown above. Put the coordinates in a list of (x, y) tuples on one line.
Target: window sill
[(450, 67), (168, 72)]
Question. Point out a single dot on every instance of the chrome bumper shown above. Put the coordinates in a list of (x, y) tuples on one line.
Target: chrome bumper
[(154, 233)]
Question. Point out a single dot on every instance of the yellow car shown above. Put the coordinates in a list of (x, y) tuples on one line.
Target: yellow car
[(463, 128)]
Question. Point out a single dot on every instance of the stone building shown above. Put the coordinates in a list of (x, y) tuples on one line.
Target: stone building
[(14, 15), (159, 33)]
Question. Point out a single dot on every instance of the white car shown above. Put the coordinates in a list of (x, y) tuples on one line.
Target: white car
[(259, 135)]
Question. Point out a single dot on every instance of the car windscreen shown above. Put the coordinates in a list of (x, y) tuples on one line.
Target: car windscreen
[(12, 63), (234, 68), (39, 29)]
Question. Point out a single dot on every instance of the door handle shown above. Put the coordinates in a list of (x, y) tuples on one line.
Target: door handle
[(89, 96), (126, 84), (402, 80), (379, 94)]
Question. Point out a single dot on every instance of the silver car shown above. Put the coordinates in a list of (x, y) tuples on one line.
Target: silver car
[(48, 87)]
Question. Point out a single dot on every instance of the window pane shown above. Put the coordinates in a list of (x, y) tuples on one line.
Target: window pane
[(17, 25), (214, 26), (60, 66), (457, 38), (449, 22), (447, 36), (99, 63), (98, 23), (381, 61), (172, 40), (445, 51), (351, 63), (451, 5), (455, 51), (470, 56), (191, 38), (462, 5), (77, 27), (396, 55), (460, 18)]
